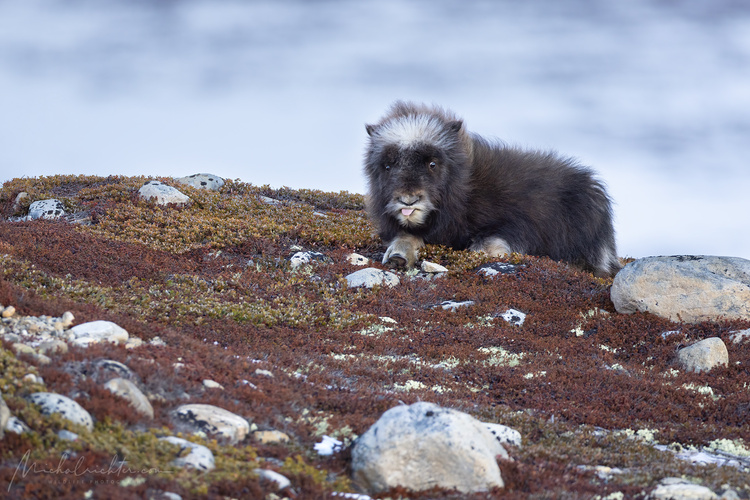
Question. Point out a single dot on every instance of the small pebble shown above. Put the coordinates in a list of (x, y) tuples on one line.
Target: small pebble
[(19, 348), (266, 437), (8, 312), (67, 319), (431, 267), (210, 384)]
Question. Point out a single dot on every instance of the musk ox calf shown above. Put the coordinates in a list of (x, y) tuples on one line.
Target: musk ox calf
[(431, 181)]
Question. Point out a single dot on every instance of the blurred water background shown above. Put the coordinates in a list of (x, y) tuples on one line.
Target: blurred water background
[(654, 94)]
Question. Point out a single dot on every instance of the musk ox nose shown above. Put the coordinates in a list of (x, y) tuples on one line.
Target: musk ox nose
[(409, 199)]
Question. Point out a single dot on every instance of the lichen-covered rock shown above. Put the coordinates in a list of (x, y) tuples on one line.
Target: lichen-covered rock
[(495, 268), (199, 456), (423, 446), (740, 336), (202, 181), (301, 258), (50, 402), (356, 259), (98, 331), (46, 209), (130, 392), (162, 194), (514, 317), (453, 305), (371, 277), (685, 288), (214, 420), (703, 355)]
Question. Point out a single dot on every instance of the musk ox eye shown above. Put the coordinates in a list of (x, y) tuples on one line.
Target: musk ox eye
[(432, 165), (387, 167)]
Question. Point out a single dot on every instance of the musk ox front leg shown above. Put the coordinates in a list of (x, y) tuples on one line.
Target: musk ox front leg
[(402, 251)]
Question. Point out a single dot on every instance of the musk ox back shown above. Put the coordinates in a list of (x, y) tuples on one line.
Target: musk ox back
[(431, 181)]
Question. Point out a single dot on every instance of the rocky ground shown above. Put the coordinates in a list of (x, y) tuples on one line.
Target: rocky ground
[(226, 344)]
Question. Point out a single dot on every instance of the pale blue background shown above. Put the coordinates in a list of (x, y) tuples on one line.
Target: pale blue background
[(655, 95)]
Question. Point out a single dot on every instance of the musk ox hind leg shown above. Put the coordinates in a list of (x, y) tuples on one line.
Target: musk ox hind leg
[(608, 264), (493, 246), (402, 251)]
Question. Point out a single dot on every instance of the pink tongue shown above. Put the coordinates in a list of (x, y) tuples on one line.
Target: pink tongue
[(406, 212)]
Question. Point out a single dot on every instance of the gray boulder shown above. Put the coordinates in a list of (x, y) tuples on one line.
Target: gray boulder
[(685, 288), (50, 402), (97, 331), (202, 181), (371, 277), (703, 355), (422, 446), (162, 194)]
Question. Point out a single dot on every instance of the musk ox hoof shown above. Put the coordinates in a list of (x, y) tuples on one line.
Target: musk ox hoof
[(402, 252), (395, 260)]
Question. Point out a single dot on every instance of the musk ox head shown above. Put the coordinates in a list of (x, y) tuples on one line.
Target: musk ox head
[(415, 161)]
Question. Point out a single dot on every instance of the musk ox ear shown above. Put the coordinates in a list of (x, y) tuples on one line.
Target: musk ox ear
[(455, 125), (371, 129)]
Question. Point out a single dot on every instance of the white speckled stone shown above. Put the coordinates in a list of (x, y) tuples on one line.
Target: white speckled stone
[(63, 405), (504, 434), (162, 194), (214, 420), (46, 209), (452, 305), (301, 258), (514, 317), (199, 457), (202, 181), (357, 259), (16, 426)]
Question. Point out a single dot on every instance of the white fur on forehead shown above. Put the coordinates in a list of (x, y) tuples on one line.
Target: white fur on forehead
[(408, 130)]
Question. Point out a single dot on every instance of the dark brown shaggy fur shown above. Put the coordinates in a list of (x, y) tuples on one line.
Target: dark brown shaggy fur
[(431, 181)]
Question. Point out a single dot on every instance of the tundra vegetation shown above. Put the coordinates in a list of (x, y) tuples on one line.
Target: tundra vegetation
[(297, 351)]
